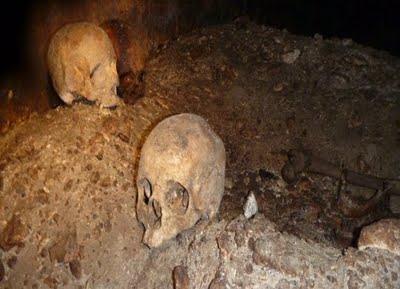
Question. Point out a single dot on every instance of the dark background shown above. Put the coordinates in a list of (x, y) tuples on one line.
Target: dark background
[(372, 23), (13, 30)]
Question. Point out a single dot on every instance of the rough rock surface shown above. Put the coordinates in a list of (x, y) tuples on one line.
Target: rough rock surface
[(254, 254), (384, 234), (67, 179)]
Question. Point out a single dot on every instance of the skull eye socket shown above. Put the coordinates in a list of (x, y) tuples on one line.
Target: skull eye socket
[(178, 198), (146, 190)]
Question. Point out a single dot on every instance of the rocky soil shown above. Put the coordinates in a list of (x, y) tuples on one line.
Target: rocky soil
[(67, 179)]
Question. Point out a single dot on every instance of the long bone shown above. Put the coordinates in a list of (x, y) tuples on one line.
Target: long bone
[(304, 162)]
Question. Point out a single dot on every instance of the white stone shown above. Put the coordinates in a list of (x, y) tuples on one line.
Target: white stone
[(291, 57), (250, 207)]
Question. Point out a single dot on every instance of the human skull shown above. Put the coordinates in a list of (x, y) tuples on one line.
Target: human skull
[(82, 64), (180, 177)]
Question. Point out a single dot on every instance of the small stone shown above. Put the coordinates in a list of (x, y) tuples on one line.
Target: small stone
[(384, 234), (10, 94), (291, 122), (42, 197), (278, 87), (218, 282), (180, 277), (318, 37), (347, 42), (291, 57), (228, 183), (68, 185), (277, 40), (312, 212), (249, 268), (56, 218), (354, 280), (250, 207), (50, 282), (13, 234), (304, 184), (58, 251), (20, 190), (95, 177), (106, 182), (12, 261), (99, 156), (108, 226), (75, 268), (64, 248), (123, 137)]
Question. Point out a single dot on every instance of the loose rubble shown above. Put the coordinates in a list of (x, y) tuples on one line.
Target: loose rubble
[(68, 192)]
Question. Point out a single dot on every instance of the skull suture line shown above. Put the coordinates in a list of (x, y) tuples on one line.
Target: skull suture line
[(82, 64), (180, 178)]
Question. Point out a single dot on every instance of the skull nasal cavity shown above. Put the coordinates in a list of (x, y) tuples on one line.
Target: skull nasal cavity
[(178, 198), (157, 208)]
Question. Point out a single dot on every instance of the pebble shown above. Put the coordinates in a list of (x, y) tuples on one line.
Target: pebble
[(250, 207), (278, 87), (318, 37), (75, 268), (12, 261), (123, 137), (347, 42), (228, 183), (13, 234), (180, 277), (291, 57)]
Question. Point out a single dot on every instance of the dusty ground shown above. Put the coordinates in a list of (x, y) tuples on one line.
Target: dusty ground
[(67, 203)]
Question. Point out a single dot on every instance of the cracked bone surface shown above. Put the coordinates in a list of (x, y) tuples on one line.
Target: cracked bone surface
[(82, 64), (180, 178)]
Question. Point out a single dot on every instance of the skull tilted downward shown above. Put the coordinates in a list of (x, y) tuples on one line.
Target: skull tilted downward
[(180, 178), (82, 64)]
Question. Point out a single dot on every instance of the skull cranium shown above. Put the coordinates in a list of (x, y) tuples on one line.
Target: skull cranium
[(82, 64), (180, 178)]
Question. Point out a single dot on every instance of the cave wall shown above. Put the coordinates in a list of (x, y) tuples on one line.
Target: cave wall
[(153, 22)]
